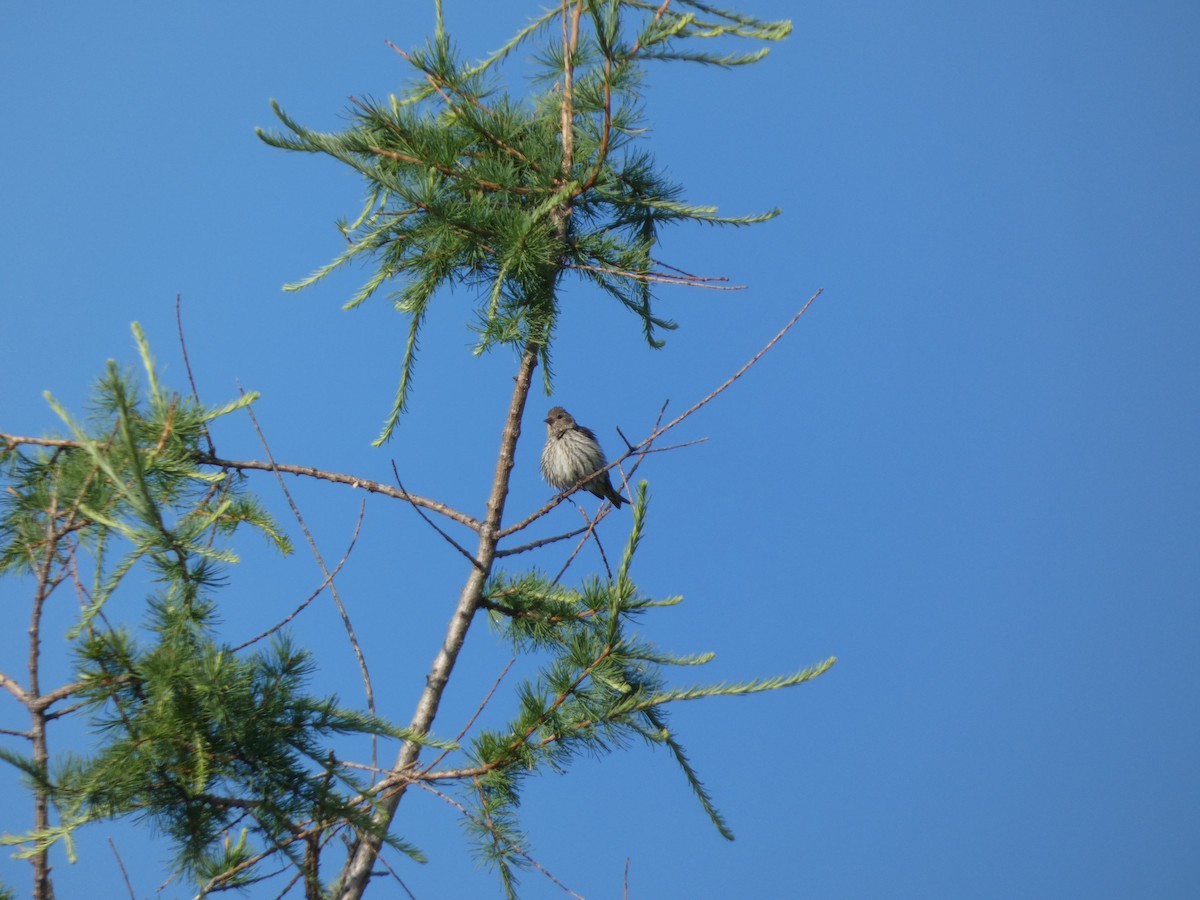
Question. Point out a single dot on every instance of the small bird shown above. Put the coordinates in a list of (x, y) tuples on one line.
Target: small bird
[(571, 453)]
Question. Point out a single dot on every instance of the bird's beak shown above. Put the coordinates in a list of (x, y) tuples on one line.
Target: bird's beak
[(546, 420)]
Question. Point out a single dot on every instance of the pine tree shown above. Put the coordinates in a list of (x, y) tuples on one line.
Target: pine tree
[(511, 194)]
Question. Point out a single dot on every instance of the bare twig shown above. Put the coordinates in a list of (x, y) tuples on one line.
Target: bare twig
[(327, 580), (396, 875), (374, 487), (67, 710), (16, 690), (124, 874), (428, 521), (333, 591), (588, 531), (628, 446), (43, 888), (44, 701), (212, 450), (740, 372), (641, 454), (591, 532), (660, 430), (15, 440), (471, 721), (533, 545)]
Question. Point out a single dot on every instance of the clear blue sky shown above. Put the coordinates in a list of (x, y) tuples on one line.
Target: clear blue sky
[(970, 473)]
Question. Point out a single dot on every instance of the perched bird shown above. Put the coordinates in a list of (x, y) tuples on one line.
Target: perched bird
[(572, 452)]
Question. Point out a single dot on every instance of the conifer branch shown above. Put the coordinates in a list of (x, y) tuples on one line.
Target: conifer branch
[(689, 773), (661, 277), (727, 689), (438, 84), (512, 845), (13, 441)]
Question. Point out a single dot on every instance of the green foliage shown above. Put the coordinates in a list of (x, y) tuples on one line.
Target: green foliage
[(199, 740), (223, 750), (602, 688), (192, 736), (131, 490), (469, 186)]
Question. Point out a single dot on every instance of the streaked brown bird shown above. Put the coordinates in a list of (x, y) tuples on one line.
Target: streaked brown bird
[(571, 453)]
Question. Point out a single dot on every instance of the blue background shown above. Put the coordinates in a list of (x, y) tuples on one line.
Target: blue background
[(970, 472)]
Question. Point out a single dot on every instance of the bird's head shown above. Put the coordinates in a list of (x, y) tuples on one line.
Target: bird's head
[(558, 421)]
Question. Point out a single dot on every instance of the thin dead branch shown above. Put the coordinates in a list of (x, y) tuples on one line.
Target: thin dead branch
[(471, 721), (366, 484), (534, 545), (644, 447), (428, 521), (187, 365), (333, 591), (124, 873), (327, 580)]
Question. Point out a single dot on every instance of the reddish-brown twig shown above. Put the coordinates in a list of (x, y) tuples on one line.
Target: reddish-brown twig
[(643, 447), (428, 521), (325, 582)]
